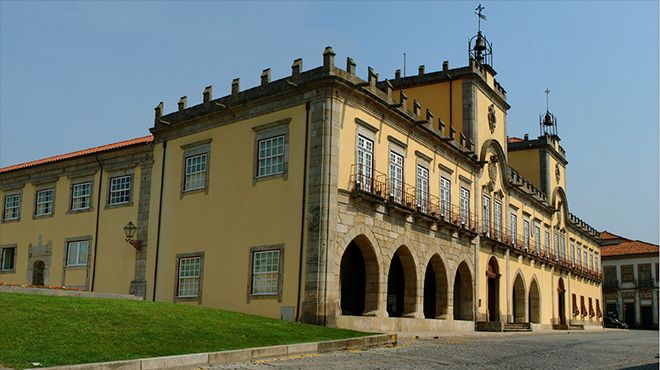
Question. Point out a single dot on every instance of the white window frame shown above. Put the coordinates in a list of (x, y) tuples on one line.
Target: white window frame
[(485, 212), (498, 219), (526, 232), (365, 162), (547, 239), (78, 257), (81, 198), (396, 176), (3, 255), (120, 190), (41, 204), (423, 188), (579, 254), (14, 208), (256, 275), (194, 277), (513, 225), (465, 206), (277, 147), (537, 236), (191, 173), (445, 197)]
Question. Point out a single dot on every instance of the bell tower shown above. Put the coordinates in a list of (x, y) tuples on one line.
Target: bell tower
[(548, 121), (479, 48)]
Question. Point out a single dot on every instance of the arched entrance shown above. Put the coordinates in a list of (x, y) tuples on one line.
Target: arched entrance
[(401, 284), (435, 289), (518, 298), (463, 293), (534, 303), (561, 301), (493, 290), (358, 276), (38, 272)]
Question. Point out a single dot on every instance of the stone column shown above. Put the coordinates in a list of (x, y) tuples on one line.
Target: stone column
[(509, 316), (139, 283), (553, 319)]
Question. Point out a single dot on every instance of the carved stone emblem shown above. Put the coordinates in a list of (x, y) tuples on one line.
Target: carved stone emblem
[(557, 171), (492, 120)]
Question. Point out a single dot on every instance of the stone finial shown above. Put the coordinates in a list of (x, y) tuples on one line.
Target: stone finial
[(452, 132), (296, 67), (403, 99), (265, 77), (388, 88), (235, 87), (373, 77), (350, 66), (429, 117), (462, 140), (417, 108), (183, 103), (526, 137), (445, 66), (420, 70), (207, 94), (328, 58), (441, 125), (397, 74), (158, 111)]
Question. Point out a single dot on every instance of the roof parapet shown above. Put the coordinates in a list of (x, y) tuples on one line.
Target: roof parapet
[(207, 94), (350, 66), (235, 87), (182, 103), (296, 67), (328, 58), (265, 77)]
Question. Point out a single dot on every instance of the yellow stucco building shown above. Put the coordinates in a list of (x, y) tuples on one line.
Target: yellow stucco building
[(321, 197)]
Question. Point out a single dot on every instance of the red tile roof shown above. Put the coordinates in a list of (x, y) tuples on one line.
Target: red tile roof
[(606, 235), (630, 247), (513, 139), (80, 153)]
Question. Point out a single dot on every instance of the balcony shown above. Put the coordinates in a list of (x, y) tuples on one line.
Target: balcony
[(367, 183), (646, 283)]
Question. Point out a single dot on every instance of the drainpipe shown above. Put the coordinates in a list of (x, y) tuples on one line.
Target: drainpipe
[(160, 217), (96, 227), (302, 213)]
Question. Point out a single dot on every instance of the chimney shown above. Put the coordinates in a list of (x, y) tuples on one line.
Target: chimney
[(350, 66), (158, 111), (296, 67), (397, 74), (526, 137), (207, 94), (235, 87), (373, 77), (420, 70), (183, 103), (328, 58), (417, 108), (265, 77), (445, 66)]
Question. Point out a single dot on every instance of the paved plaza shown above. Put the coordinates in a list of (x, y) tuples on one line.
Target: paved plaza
[(607, 349)]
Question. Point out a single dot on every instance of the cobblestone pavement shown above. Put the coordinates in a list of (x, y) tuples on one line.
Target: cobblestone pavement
[(609, 349)]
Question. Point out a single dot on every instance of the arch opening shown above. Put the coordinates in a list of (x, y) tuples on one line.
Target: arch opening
[(518, 298), (463, 301), (358, 276), (401, 284), (435, 289), (534, 303), (493, 290), (561, 301), (38, 272)]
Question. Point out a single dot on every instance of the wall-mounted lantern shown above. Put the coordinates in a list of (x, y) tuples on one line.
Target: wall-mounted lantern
[(129, 231)]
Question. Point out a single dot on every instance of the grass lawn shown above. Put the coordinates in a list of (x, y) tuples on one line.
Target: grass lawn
[(68, 330)]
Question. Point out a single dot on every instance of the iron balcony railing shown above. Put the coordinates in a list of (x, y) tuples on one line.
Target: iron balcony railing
[(366, 180)]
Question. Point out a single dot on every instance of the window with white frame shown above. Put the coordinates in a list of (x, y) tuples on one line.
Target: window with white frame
[(485, 212), (188, 279), (265, 272), (271, 156), (465, 206), (120, 190), (579, 255), (365, 157), (195, 172), (526, 233), (537, 236), (12, 207), (498, 219), (44, 202), (584, 256), (547, 239), (81, 195), (514, 227), (396, 177), (556, 244), (445, 197), (563, 245), (572, 252), (7, 258), (76, 254), (423, 188)]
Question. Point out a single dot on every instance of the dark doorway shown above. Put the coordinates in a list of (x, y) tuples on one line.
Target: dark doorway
[(493, 276), (429, 293), (629, 314), (463, 293), (518, 298), (38, 272), (611, 311), (561, 301), (534, 303), (396, 286), (647, 317), (353, 281)]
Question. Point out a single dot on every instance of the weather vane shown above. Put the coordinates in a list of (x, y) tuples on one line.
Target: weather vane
[(479, 15), (547, 94)]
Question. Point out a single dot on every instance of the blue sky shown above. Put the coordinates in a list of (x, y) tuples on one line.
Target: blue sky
[(80, 74)]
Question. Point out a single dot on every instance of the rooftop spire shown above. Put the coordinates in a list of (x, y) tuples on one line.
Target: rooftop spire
[(548, 121), (482, 51)]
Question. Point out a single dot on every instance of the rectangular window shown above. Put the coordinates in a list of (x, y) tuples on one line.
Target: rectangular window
[(396, 177), (556, 250), (572, 252), (76, 254), (485, 213), (120, 190), (188, 278), (584, 255), (445, 197), (644, 275), (537, 236), (591, 261), (195, 177), (7, 258), (575, 310), (44, 202), (265, 272), (547, 240), (81, 195), (498, 220), (12, 207), (513, 224), (365, 157), (579, 255), (583, 308), (610, 276), (591, 308), (271, 156), (563, 246), (626, 273), (526, 233), (423, 188), (465, 206)]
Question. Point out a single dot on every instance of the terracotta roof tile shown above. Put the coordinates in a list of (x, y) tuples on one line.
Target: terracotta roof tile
[(606, 235), (513, 139), (629, 247), (79, 153)]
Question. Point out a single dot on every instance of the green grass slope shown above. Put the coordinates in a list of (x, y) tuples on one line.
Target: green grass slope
[(67, 330)]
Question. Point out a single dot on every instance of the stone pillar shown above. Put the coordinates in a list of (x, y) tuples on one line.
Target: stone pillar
[(553, 294), (569, 298), (139, 283), (507, 287), (638, 310)]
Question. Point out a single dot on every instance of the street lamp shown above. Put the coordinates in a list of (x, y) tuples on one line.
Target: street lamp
[(129, 232)]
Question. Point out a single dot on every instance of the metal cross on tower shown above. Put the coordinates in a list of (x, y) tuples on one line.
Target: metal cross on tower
[(479, 16), (547, 94)]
